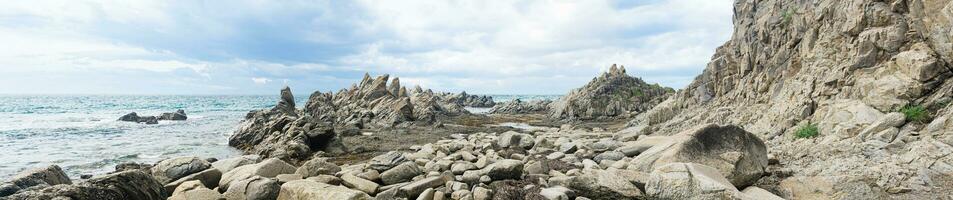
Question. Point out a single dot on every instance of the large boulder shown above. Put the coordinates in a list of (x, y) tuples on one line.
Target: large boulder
[(177, 115), (689, 181), (505, 169), (608, 184), (172, 169), (50, 175), (310, 190), (254, 188), (131, 184), (269, 168), (401, 173), (131, 117), (194, 190), (734, 152), (209, 178), (225, 165)]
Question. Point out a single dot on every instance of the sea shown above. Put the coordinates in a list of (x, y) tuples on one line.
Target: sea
[(81, 134)]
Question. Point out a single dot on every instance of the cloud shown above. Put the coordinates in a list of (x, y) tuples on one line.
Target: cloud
[(202, 47)]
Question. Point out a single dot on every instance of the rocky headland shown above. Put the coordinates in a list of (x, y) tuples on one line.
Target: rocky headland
[(819, 99)]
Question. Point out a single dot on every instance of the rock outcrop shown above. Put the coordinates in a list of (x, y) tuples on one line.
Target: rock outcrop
[(178, 115), (518, 106), (836, 68), (131, 184), (613, 94), (467, 100)]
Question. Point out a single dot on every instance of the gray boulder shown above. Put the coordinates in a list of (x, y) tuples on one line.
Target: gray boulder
[(228, 164), (269, 168), (401, 173), (310, 190), (608, 184), (131, 184), (317, 166), (50, 175), (254, 188), (172, 169), (177, 115), (738, 154), (209, 178), (505, 169), (689, 181)]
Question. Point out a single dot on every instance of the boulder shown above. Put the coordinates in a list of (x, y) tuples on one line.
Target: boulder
[(635, 148), (738, 154), (386, 161), (50, 175), (177, 115), (310, 190), (228, 164), (194, 190), (358, 183), (131, 117), (689, 181), (413, 189), (401, 173), (172, 169), (609, 155), (608, 184), (557, 193), (317, 166), (131, 184), (505, 169), (253, 188), (209, 178), (269, 168), (758, 193)]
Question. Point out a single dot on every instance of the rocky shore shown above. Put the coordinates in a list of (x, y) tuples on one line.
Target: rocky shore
[(808, 100)]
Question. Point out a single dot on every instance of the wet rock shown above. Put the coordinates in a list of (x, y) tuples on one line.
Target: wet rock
[(253, 188), (131, 117), (177, 115), (740, 155), (172, 169), (305, 189)]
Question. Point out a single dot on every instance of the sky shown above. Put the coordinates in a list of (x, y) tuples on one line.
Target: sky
[(258, 46)]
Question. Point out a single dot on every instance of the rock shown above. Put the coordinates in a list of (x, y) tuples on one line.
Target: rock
[(608, 184), (133, 166), (890, 120), (609, 155), (226, 165), (131, 117), (568, 147), (269, 168), (327, 179), (317, 166), (131, 184), (371, 175), (253, 188), (149, 120), (458, 168), (208, 178), (309, 190), (386, 161), (518, 106), (172, 169), (480, 193), (557, 193), (689, 181), (177, 115), (50, 175), (401, 173), (605, 145), (415, 188), (614, 94), (740, 155), (637, 147), (194, 190), (358, 183), (284, 178), (758, 193), (466, 100), (505, 169), (428, 194)]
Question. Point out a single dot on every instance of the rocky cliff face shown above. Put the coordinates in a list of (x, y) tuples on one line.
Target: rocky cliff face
[(612, 94), (844, 67)]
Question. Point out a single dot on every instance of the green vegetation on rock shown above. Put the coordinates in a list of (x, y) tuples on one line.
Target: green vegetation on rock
[(809, 130)]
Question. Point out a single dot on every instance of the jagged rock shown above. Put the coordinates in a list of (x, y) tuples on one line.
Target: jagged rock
[(689, 181), (310, 190), (740, 155), (269, 168), (386, 161), (467, 100), (613, 94), (46, 176), (253, 188), (172, 169), (282, 133), (317, 166), (518, 106), (131, 184)]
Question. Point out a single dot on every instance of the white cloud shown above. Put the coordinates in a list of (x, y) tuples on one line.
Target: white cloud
[(260, 80)]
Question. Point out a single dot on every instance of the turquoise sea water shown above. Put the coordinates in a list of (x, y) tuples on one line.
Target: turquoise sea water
[(81, 134)]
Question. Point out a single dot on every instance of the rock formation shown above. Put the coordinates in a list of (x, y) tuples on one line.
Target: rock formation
[(613, 94), (467, 100), (842, 68), (134, 117), (517, 106)]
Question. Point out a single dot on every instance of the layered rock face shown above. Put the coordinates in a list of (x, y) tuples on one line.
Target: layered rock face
[(613, 94), (844, 67), (517, 106)]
